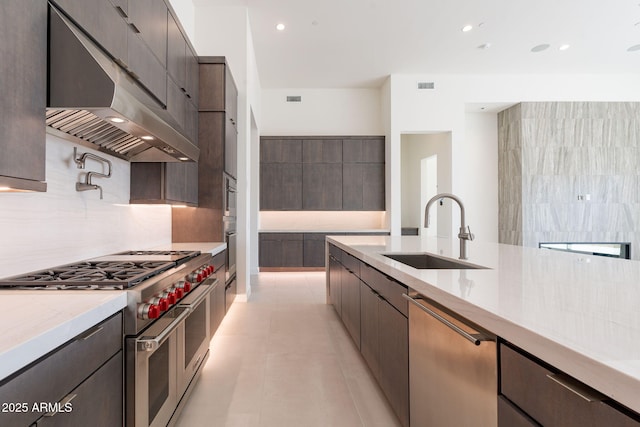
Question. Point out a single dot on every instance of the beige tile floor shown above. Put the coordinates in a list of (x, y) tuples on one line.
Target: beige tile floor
[(284, 359)]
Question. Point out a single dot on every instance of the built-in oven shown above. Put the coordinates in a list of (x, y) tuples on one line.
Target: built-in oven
[(194, 334), (230, 239), (166, 357), (230, 196)]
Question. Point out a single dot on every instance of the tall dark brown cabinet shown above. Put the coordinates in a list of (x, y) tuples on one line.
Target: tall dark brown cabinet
[(23, 71), (217, 137)]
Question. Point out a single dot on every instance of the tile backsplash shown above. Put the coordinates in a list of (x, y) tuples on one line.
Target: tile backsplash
[(41, 230)]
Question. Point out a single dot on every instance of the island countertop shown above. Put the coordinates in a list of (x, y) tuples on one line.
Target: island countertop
[(579, 313)]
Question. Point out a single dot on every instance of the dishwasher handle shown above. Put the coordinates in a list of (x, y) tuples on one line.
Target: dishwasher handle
[(475, 339)]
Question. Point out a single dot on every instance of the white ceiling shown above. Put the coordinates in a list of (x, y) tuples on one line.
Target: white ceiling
[(357, 43)]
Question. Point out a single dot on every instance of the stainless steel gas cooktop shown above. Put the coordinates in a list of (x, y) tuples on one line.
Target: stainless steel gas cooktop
[(119, 271)]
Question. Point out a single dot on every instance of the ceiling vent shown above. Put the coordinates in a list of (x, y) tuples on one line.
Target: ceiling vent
[(294, 98), (426, 85)]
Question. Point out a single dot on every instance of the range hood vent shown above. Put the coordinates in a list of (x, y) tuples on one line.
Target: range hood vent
[(95, 100)]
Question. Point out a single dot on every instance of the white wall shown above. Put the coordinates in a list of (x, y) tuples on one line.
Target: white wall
[(322, 112), (474, 138), (416, 147), (60, 226)]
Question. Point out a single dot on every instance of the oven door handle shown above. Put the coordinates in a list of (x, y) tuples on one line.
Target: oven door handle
[(146, 343), (205, 289)]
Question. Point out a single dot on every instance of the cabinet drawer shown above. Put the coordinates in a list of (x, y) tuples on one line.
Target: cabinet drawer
[(352, 263), (62, 370), (510, 416), (388, 288), (335, 252), (551, 398)]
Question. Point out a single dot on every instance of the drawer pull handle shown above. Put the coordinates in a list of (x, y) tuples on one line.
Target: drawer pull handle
[(90, 333), (61, 405), (475, 339), (573, 386)]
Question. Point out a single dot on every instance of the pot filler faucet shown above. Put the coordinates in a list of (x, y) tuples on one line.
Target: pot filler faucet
[(465, 232)]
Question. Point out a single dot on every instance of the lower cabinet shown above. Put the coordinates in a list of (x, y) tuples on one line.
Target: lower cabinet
[(384, 344), (534, 393), (218, 296), (281, 250), (78, 384), (378, 328)]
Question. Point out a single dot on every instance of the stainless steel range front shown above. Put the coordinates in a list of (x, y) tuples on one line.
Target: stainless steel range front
[(166, 322)]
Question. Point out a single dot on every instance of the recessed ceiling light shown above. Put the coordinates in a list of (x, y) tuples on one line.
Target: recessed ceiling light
[(634, 48), (564, 47), (467, 28), (280, 27), (184, 159), (484, 46), (540, 47), (147, 137)]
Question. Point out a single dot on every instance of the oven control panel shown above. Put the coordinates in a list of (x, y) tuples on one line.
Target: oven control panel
[(161, 302)]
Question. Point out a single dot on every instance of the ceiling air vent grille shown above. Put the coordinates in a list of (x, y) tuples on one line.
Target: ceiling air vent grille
[(297, 98), (426, 85)]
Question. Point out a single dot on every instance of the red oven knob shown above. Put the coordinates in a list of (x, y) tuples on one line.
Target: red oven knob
[(179, 293), (162, 303), (171, 297), (187, 286), (212, 269), (199, 277), (148, 311)]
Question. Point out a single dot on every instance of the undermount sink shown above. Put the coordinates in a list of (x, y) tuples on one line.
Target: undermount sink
[(422, 260)]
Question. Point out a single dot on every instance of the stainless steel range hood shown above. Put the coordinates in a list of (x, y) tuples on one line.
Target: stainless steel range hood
[(92, 98)]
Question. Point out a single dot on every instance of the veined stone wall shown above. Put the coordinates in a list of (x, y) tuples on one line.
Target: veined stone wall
[(569, 172)]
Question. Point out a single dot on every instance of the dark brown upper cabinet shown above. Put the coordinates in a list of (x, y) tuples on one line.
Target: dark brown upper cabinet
[(23, 71)]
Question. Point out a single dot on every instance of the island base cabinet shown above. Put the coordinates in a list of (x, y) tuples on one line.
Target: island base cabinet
[(452, 381), (552, 398), (335, 284)]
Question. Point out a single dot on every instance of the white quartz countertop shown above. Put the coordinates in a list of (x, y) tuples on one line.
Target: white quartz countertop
[(579, 313), (319, 230), (36, 322), (213, 248)]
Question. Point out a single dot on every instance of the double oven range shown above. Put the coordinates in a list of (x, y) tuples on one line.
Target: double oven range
[(166, 321)]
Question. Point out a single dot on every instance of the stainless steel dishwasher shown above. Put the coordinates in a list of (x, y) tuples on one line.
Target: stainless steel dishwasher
[(452, 369)]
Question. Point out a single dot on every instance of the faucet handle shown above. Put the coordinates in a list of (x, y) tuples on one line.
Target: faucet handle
[(466, 234), (469, 234)]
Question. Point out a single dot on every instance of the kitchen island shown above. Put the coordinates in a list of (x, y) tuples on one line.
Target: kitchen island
[(577, 313)]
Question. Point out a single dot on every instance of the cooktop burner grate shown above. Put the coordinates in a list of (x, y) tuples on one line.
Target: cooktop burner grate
[(91, 275)]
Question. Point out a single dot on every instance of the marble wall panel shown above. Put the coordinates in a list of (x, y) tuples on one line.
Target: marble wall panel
[(567, 150)]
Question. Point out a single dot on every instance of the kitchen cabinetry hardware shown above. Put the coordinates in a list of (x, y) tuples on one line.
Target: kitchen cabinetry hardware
[(87, 184), (145, 343), (91, 333), (476, 339), (62, 404), (573, 386)]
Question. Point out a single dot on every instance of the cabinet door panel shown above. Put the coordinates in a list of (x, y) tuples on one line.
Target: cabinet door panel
[(351, 305), (526, 383), (176, 53), (335, 284), (230, 147), (176, 104), (192, 76), (146, 67), (322, 151), (369, 329), (394, 359), (23, 84), (230, 96), (97, 402), (150, 18), (510, 416), (314, 250), (211, 87), (281, 186), (373, 191), (322, 185)]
